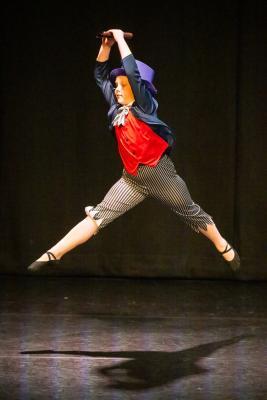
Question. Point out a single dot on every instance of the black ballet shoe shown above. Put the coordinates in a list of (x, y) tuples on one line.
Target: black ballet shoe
[(38, 265), (235, 262)]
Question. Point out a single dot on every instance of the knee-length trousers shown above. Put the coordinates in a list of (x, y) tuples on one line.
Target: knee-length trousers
[(162, 183)]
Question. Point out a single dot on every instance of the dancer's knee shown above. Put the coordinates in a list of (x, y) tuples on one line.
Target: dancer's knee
[(91, 216)]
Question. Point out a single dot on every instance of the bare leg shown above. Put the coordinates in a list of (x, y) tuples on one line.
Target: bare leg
[(219, 242), (82, 232)]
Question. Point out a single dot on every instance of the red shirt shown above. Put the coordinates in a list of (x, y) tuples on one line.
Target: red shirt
[(138, 144)]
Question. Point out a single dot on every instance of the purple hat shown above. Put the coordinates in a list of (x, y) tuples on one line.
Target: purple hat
[(146, 73)]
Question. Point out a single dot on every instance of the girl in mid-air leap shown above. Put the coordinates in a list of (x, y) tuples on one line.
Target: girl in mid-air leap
[(144, 145)]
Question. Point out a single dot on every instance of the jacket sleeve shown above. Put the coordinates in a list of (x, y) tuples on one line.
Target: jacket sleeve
[(101, 74), (142, 95)]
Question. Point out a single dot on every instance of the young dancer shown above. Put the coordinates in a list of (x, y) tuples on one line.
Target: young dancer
[(144, 145)]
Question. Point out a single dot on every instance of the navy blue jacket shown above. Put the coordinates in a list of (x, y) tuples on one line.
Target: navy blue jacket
[(145, 105)]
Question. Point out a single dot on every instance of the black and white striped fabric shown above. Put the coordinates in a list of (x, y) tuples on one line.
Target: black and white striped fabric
[(160, 182)]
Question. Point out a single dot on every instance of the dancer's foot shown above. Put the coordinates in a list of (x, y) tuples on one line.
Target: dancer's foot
[(231, 256), (47, 258), (228, 255)]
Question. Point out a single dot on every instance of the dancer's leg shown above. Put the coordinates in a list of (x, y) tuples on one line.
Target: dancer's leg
[(82, 232), (168, 187), (121, 197)]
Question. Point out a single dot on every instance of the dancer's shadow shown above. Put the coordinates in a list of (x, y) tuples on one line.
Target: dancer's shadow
[(149, 369)]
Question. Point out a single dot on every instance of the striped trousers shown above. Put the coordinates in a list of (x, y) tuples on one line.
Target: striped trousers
[(160, 182)]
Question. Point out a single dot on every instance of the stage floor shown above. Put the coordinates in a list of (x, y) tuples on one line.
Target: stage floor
[(77, 338)]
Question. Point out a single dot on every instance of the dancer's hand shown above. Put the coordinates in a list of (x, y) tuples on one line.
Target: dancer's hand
[(117, 34), (108, 41)]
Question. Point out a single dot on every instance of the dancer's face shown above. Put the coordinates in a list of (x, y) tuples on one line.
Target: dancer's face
[(123, 90)]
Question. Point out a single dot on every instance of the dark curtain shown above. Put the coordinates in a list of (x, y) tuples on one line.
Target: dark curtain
[(57, 155)]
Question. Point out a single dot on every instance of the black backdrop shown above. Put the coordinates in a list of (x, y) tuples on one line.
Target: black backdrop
[(57, 155)]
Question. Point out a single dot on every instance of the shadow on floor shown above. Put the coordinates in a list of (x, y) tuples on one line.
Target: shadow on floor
[(150, 369)]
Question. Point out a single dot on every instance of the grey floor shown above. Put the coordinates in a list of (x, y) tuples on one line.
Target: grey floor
[(76, 338)]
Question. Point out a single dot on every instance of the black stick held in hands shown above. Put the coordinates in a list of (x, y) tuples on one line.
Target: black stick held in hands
[(127, 35)]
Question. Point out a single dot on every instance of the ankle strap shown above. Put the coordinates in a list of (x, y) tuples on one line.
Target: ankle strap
[(51, 255), (226, 249)]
